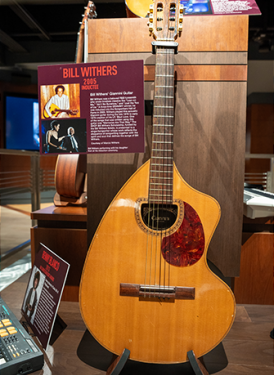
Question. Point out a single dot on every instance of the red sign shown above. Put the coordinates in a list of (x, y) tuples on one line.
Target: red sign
[(92, 108)]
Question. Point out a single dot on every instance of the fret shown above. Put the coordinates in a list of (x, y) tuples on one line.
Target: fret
[(164, 86), (162, 142), (165, 64), (162, 184), (165, 165), (164, 75), (170, 178), (163, 106), (157, 189), (163, 125), (166, 97), (162, 177), (157, 149), (163, 134), (163, 116), (162, 157)]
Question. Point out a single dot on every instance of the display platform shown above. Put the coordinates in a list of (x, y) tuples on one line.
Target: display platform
[(248, 345)]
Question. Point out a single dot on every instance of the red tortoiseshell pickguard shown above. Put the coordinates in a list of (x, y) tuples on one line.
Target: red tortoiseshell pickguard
[(186, 246)]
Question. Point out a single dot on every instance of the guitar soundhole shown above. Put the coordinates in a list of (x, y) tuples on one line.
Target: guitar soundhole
[(159, 216)]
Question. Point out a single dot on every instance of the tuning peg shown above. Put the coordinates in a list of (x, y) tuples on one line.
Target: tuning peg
[(151, 8), (180, 26), (181, 8), (150, 26)]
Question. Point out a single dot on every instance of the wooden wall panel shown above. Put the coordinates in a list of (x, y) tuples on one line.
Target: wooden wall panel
[(209, 138), (210, 109), (260, 135), (200, 33), (203, 72), (255, 284)]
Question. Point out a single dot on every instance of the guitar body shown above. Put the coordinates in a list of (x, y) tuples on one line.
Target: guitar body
[(56, 111), (124, 250)]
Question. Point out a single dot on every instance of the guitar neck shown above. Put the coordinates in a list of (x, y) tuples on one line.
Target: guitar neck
[(80, 47), (161, 166), (90, 12)]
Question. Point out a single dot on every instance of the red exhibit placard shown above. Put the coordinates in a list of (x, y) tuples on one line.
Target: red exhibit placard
[(92, 108), (44, 292)]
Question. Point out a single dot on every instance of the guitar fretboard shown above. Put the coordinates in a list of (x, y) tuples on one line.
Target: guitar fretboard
[(161, 165)]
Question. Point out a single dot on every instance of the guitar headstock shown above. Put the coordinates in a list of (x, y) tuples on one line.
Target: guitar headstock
[(166, 19), (90, 12)]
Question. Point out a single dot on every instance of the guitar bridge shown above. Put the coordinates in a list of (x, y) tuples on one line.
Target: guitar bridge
[(157, 291)]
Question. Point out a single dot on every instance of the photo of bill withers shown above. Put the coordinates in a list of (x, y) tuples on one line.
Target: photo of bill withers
[(33, 293)]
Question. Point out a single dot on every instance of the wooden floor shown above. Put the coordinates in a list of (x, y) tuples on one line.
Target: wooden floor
[(247, 349)]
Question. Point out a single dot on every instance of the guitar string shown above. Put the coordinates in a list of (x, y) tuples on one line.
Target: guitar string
[(153, 176), (164, 153), (169, 93), (154, 207), (161, 112), (150, 209), (166, 200)]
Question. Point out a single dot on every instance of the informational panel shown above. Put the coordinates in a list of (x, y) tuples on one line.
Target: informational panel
[(92, 108), (44, 292)]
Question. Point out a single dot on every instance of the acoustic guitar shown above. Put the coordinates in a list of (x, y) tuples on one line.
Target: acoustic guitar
[(146, 285)]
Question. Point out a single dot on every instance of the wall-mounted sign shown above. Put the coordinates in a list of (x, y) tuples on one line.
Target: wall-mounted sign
[(92, 108)]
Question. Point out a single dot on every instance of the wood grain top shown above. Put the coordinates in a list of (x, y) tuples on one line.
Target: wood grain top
[(203, 72), (53, 213), (200, 33)]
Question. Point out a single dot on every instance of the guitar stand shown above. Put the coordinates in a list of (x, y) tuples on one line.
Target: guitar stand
[(197, 364), (117, 365)]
